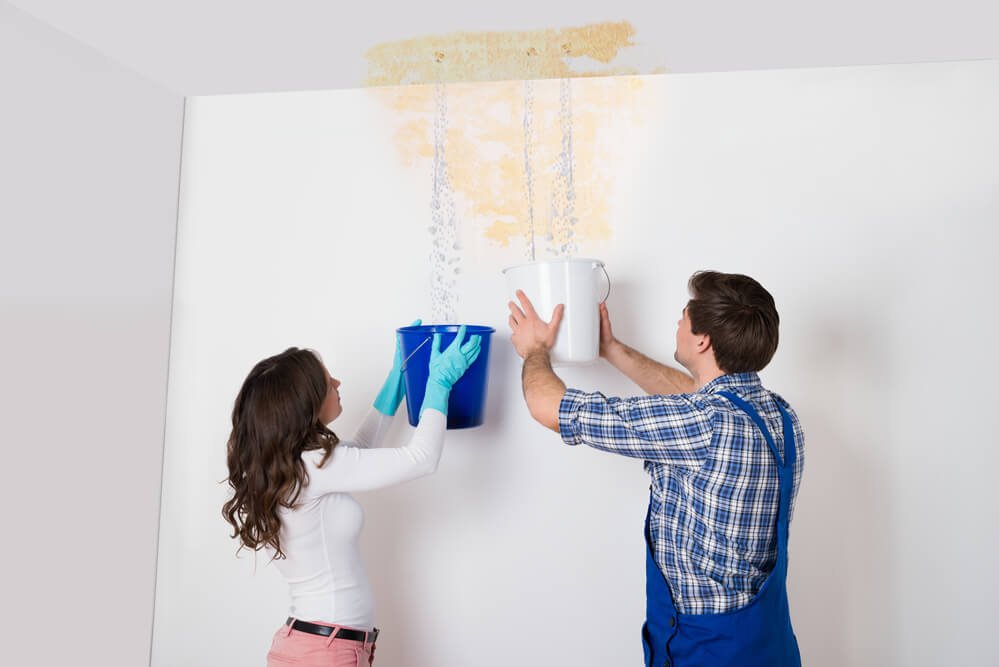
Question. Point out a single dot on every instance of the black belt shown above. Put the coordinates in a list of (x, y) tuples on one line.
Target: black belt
[(326, 631)]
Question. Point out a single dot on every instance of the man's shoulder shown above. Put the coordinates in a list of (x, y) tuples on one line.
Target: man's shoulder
[(780, 400)]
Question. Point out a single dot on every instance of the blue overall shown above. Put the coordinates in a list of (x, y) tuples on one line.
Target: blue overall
[(758, 634)]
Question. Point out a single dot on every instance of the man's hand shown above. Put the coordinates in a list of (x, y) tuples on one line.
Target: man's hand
[(533, 338), (650, 375), (607, 340), (530, 332)]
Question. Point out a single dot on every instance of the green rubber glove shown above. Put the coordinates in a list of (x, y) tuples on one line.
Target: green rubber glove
[(447, 367), (388, 399)]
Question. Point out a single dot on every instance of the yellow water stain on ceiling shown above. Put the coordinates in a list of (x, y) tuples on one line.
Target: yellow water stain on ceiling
[(502, 56), (489, 154)]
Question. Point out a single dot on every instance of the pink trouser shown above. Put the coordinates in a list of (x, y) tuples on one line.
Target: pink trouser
[(293, 647)]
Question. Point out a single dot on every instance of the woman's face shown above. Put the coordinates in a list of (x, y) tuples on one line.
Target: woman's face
[(331, 408)]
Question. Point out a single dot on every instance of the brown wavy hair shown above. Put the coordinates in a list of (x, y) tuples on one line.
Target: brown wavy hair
[(740, 317), (275, 418)]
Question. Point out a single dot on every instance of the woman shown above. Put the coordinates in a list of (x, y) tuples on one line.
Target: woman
[(292, 479)]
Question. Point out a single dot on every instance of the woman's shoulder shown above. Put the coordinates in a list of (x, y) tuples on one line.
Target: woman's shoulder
[(326, 474)]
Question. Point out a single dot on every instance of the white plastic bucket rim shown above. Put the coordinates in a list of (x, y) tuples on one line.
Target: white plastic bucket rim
[(565, 260), (557, 260)]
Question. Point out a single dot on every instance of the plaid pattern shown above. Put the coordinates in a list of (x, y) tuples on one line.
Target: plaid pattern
[(714, 493)]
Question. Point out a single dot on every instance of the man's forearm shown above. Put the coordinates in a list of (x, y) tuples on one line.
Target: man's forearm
[(543, 390), (649, 374)]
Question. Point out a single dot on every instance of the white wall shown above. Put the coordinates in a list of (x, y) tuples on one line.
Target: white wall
[(863, 198), (89, 161)]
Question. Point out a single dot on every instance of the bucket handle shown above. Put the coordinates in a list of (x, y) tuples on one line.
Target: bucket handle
[(406, 360), (607, 276)]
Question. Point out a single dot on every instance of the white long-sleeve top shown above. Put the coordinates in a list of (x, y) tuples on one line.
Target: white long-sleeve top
[(323, 567)]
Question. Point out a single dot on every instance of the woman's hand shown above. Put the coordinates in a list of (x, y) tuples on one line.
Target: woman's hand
[(447, 367), (388, 399)]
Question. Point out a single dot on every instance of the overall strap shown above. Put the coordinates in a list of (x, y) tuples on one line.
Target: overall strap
[(785, 465)]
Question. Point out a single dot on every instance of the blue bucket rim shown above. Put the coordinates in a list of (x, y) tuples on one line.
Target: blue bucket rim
[(470, 329)]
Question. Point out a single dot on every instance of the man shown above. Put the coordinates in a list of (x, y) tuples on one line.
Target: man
[(725, 456)]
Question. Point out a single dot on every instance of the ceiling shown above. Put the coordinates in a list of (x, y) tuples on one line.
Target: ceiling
[(202, 47)]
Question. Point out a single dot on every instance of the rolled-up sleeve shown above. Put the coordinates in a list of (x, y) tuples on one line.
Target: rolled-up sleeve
[(568, 416), (672, 429)]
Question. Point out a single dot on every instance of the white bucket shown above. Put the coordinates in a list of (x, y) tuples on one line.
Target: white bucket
[(572, 281)]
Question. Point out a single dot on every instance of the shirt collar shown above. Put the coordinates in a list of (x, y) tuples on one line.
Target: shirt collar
[(731, 381)]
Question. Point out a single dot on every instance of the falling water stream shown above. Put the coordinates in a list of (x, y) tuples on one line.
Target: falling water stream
[(528, 173), (445, 254), (562, 220), (445, 248)]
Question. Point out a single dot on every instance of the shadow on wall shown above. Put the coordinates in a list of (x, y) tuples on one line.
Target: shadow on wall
[(842, 534)]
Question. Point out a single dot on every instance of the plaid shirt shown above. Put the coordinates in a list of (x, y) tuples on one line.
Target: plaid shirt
[(714, 493)]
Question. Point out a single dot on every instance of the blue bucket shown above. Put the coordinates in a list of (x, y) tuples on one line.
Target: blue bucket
[(467, 402)]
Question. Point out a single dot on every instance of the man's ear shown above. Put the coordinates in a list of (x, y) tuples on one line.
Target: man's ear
[(704, 344)]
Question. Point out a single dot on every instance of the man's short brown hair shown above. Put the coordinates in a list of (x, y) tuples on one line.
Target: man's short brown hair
[(739, 316)]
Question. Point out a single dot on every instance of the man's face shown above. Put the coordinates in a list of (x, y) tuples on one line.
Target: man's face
[(686, 342)]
